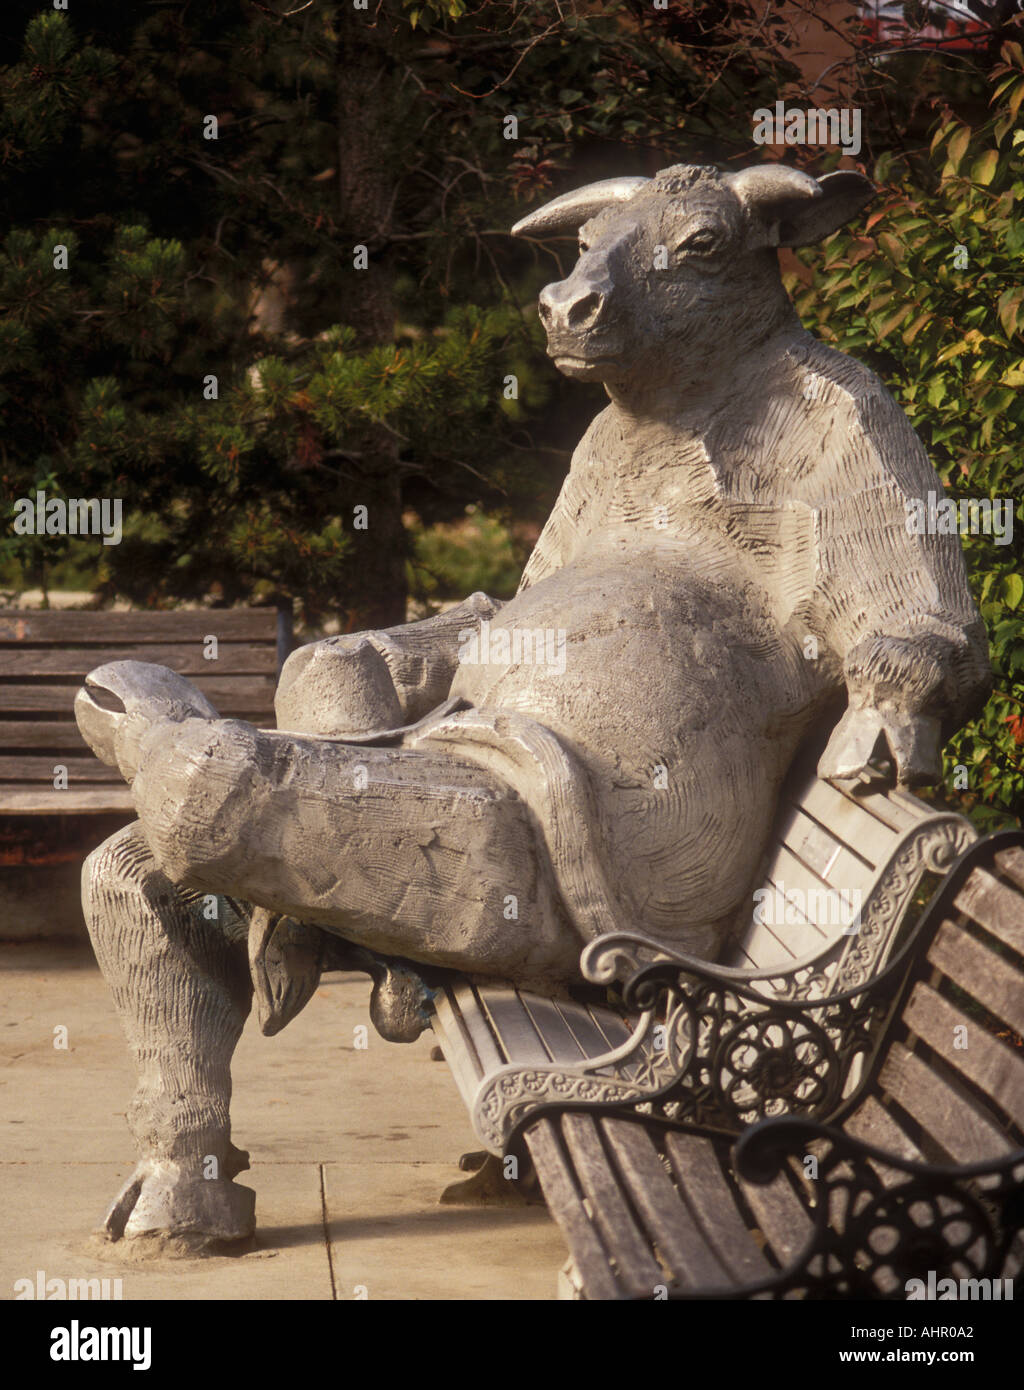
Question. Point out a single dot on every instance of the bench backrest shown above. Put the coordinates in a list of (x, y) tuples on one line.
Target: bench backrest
[(44, 657), (841, 869), (954, 1070)]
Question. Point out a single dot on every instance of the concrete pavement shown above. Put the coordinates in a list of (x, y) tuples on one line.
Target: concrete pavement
[(350, 1149)]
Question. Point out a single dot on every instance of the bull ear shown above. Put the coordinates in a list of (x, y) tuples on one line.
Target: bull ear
[(571, 210), (804, 210)]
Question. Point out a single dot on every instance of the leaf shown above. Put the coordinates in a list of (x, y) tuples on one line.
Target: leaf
[(1016, 97), (983, 169), (1008, 309), (894, 320), (911, 333), (939, 136), (1013, 590), (958, 147), (892, 247), (954, 350)]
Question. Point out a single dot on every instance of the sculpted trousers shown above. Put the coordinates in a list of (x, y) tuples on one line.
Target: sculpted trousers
[(408, 852)]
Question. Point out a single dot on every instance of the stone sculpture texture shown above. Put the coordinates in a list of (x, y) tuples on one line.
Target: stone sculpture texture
[(728, 559)]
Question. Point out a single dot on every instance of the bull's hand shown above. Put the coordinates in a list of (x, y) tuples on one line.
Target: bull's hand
[(864, 736), (353, 686), (122, 701)]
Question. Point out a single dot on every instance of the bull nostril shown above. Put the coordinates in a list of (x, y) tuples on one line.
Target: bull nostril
[(544, 309), (585, 310)]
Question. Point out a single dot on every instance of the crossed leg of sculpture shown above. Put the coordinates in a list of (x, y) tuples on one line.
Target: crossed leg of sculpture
[(405, 852)]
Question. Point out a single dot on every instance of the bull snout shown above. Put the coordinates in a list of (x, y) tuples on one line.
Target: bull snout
[(566, 307)]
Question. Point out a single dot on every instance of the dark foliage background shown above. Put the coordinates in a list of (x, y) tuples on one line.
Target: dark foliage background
[(386, 388)]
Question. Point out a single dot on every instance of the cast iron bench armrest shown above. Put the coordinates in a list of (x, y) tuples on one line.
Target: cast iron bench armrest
[(514, 1053)]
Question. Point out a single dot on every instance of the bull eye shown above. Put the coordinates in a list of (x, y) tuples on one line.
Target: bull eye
[(584, 245), (702, 240)]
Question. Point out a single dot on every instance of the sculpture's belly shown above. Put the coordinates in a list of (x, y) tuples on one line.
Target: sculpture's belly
[(628, 656), (684, 701)]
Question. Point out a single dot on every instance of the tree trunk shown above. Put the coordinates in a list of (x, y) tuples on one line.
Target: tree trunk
[(367, 177)]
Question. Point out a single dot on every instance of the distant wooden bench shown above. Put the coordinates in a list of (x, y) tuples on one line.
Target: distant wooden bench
[(627, 1113), (44, 657)]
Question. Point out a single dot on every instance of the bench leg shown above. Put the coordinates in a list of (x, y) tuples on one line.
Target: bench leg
[(181, 986)]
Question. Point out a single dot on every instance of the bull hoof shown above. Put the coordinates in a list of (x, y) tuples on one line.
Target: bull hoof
[(177, 1213)]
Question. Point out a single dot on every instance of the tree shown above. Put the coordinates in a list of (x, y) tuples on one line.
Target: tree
[(196, 161), (338, 259)]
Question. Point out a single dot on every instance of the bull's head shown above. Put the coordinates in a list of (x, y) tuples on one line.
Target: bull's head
[(677, 275)]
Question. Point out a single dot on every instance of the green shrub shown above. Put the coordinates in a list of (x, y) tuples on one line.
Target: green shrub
[(929, 292)]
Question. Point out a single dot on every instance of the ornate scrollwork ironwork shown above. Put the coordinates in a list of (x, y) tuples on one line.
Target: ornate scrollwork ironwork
[(718, 1048), (707, 1052), (870, 1239)]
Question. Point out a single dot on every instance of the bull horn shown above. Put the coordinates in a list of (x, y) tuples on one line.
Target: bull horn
[(767, 185), (571, 210)]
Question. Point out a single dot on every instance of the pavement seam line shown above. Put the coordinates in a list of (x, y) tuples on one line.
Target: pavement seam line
[(327, 1229)]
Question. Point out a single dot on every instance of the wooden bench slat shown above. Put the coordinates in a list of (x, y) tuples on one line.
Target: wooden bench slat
[(993, 981), (994, 906), (137, 627), (76, 801), (41, 734), (946, 1113), (872, 1124), (900, 803), (572, 1032), (513, 1025), (559, 1038), (251, 694), (457, 1045), (782, 1218), (669, 1222), (709, 1197), (824, 853), (638, 1271), (994, 1067), (616, 1029), (739, 959), (858, 823), (1010, 862), (233, 659), (39, 769), (565, 1202)]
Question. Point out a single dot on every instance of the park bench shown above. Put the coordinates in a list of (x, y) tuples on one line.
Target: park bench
[(627, 1112), (45, 656)]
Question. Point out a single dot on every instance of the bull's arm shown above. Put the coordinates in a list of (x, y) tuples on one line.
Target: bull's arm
[(369, 681), (901, 616), (567, 523)]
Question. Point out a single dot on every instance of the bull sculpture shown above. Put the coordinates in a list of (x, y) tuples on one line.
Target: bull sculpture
[(727, 567)]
